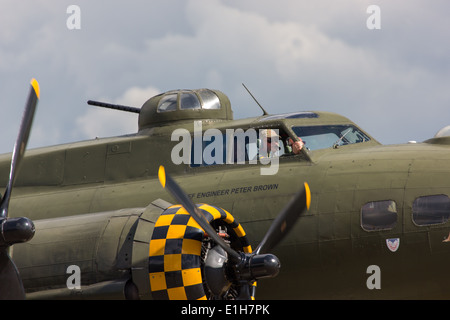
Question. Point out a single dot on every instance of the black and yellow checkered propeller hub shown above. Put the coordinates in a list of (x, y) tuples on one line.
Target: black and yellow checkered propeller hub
[(175, 264)]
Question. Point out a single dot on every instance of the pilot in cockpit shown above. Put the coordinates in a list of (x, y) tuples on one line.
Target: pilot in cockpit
[(273, 144), (269, 146)]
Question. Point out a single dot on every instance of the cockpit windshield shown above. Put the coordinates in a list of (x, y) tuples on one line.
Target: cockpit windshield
[(322, 137)]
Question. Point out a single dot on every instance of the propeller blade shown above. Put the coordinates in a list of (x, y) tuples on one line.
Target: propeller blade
[(284, 222), (20, 145), (168, 183), (11, 287), (17, 229), (244, 291)]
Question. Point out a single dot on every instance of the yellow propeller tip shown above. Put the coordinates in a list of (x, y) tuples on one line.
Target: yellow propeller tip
[(162, 176), (308, 195), (35, 86)]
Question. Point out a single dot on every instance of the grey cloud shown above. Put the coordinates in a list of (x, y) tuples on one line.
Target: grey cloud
[(294, 55)]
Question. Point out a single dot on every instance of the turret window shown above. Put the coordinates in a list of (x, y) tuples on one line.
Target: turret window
[(209, 99), (189, 100), (168, 103)]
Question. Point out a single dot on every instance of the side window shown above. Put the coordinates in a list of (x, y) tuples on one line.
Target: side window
[(221, 148), (235, 146), (208, 150), (379, 215), (430, 210)]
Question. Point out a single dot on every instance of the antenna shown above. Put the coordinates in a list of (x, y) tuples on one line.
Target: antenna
[(264, 111), (113, 106)]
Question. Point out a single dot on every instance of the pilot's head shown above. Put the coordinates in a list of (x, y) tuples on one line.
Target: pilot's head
[(270, 138)]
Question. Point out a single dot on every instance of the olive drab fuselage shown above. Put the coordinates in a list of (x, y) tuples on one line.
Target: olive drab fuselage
[(90, 202)]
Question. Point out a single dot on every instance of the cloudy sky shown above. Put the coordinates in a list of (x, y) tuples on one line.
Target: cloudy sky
[(293, 55)]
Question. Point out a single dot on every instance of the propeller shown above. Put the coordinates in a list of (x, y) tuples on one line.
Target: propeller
[(244, 268), (21, 229)]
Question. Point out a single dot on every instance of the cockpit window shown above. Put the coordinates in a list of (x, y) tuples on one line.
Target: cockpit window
[(237, 147), (430, 210), (322, 137), (292, 115)]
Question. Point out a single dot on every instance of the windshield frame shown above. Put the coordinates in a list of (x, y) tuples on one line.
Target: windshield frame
[(319, 137)]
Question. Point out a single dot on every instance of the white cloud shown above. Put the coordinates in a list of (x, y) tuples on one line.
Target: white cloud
[(293, 55)]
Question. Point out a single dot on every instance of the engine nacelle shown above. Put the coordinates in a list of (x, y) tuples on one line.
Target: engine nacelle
[(110, 250), (157, 252)]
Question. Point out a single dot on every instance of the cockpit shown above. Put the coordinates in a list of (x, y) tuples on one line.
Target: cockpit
[(317, 131)]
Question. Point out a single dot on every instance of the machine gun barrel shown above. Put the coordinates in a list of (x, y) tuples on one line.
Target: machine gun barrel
[(113, 106)]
